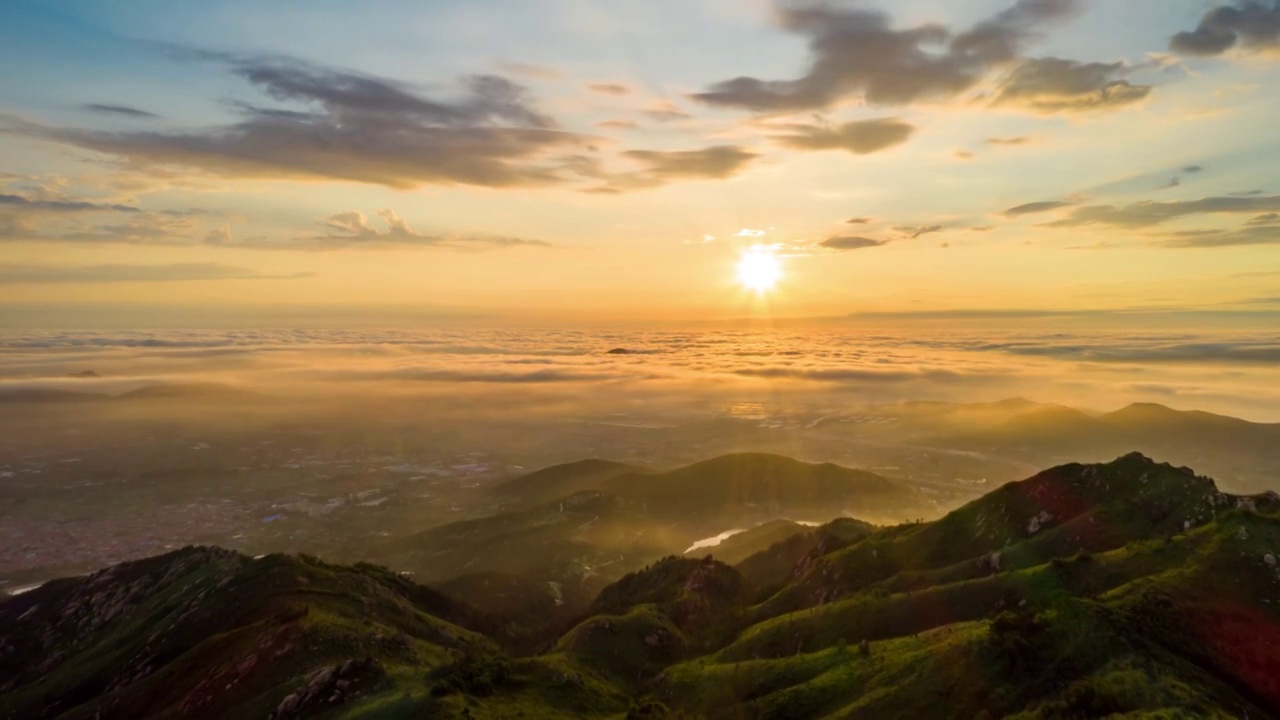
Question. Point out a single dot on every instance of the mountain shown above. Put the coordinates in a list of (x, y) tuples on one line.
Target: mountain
[(207, 633), (1245, 454), (1130, 588), (769, 569), (559, 481), (618, 518), (206, 392), (748, 484)]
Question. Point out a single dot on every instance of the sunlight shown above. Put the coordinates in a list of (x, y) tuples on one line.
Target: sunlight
[(759, 269)]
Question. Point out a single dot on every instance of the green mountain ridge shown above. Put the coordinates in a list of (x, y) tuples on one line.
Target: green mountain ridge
[(1130, 588)]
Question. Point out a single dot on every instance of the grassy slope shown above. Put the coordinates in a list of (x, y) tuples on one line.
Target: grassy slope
[(209, 633), (1131, 588)]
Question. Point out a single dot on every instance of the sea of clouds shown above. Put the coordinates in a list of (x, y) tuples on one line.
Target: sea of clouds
[(1236, 374)]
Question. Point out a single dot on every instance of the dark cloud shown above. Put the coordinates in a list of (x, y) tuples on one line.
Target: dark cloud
[(859, 137), (1035, 207), (963, 155), (1265, 219), (609, 88), (1150, 212), (121, 110), (1247, 193), (180, 272), (859, 221), (19, 203), (1248, 235), (344, 125), (1017, 140), (856, 52), (1052, 85), (1252, 25), (1192, 169), (850, 242)]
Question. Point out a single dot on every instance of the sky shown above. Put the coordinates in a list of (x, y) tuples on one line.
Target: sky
[(561, 158)]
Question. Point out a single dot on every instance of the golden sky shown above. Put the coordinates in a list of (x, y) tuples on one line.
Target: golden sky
[(552, 159)]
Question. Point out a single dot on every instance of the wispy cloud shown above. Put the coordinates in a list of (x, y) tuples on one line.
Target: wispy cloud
[(179, 272), (121, 111), (851, 242), (1149, 212)]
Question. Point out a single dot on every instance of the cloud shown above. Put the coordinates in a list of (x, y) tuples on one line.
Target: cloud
[(859, 221), (347, 126), (1052, 85), (1251, 25), (158, 229), (1149, 213), (659, 167), (1016, 140), (179, 272), (354, 230), (1035, 207), (19, 203), (963, 155), (749, 232), (1265, 219), (859, 137), (1248, 235), (846, 374), (665, 111), (854, 52), (120, 110), (617, 125), (915, 232), (609, 88), (349, 230), (851, 242)]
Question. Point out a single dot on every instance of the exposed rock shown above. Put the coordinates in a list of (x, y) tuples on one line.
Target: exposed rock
[(1038, 521), (289, 705), (1269, 559)]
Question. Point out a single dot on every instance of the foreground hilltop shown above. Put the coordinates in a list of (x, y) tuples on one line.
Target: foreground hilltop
[(1124, 588)]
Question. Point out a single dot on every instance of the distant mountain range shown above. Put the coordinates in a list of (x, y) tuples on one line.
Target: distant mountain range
[(208, 392), (1246, 451), (590, 522), (1123, 589)]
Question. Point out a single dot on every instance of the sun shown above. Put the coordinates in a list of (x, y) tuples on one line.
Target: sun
[(759, 269)]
